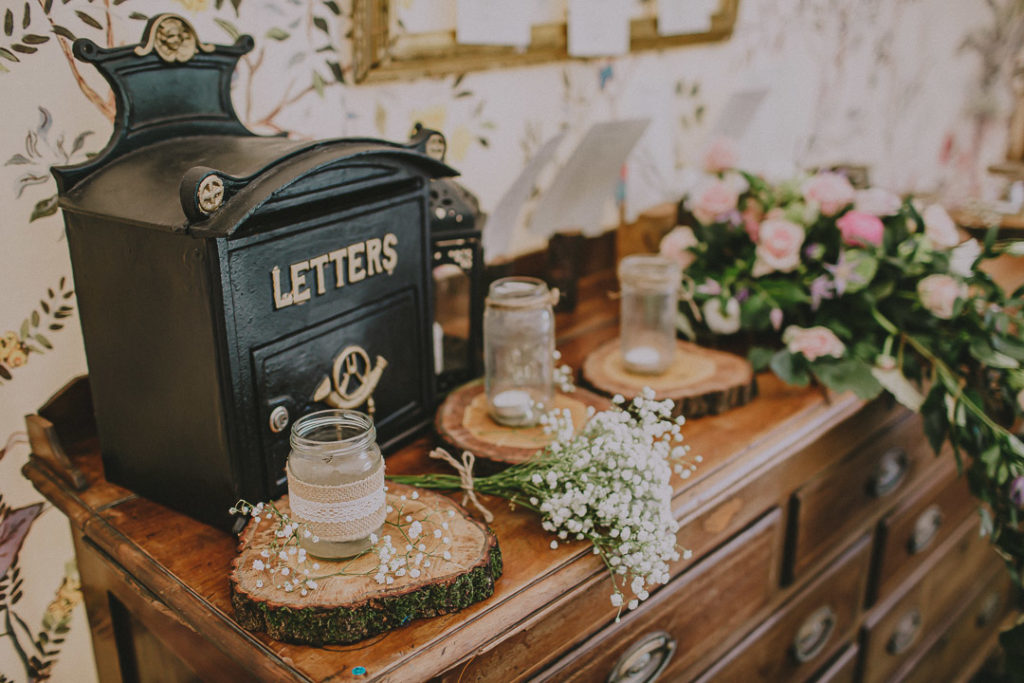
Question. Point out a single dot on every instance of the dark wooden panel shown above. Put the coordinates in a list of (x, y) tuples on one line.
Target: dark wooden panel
[(965, 635), (809, 629), (919, 525), (896, 629), (833, 505), (702, 611), (842, 669)]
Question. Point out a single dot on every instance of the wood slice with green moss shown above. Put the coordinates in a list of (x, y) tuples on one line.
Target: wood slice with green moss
[(463, 422), (351, 607), (701, 381)]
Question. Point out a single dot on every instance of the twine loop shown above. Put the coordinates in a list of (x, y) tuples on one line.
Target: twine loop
[(465, 470)]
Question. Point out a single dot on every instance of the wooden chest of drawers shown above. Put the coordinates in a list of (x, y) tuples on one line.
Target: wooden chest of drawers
[(828, 543)]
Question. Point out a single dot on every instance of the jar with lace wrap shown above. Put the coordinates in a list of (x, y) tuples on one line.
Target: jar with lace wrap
[(336, 482)]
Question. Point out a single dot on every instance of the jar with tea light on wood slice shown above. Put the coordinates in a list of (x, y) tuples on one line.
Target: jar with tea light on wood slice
[(519, 346), (650, 296), (336, 482)]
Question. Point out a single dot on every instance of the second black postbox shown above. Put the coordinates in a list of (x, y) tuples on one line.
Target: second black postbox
[(229, 283)]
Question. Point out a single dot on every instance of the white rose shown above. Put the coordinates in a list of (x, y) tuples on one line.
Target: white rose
[(962, 258), (939, 228), (938, 294), (722, 322)]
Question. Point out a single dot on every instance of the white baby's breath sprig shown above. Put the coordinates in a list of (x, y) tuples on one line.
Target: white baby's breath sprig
[(609, 484)]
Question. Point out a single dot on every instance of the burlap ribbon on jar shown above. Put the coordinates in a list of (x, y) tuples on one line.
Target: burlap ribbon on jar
[(339, 513)]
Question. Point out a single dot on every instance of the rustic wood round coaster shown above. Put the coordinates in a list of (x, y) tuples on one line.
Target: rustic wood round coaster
[(463, 422), (701, 381), (346, 609)]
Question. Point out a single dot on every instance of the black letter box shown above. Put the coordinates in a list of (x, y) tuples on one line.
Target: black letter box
[(229, 283)]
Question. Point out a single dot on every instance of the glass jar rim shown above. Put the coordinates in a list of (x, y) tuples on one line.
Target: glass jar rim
[(651, 270), (302, 427), (519, 291)]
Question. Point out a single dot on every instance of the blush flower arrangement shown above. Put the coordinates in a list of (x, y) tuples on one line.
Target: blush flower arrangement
[(608, 485), (862, 291)]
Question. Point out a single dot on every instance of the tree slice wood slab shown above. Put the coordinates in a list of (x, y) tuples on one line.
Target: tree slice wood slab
[(701, 381), (463, 422), (347, 609)]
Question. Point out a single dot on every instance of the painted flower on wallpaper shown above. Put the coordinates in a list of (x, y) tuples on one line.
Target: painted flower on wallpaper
[(32, 337), (37, 649), (43, 149)]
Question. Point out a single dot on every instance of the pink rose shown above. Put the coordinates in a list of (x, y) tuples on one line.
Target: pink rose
[(877, 201), (676, 245), (721, 155), (778, 246), (939, 228), (714, 200), (830, 191), (859, 228), (938, 294), (775, 317), (813, 342)]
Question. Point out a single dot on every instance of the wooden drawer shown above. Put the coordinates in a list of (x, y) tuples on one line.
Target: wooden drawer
[(896, 628), (842, 669), (691, 620), (954, 652), (919, 525), (799, 638), (835, 504)]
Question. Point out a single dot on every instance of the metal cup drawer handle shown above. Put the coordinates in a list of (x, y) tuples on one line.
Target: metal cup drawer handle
[(905, 632), (813, 634), (889, 472), (645, 660), (926, 529)]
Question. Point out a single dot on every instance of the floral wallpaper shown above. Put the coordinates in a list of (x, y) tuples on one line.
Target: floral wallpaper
[(920, 91)]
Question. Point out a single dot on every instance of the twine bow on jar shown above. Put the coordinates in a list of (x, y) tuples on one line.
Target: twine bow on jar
[(465, 470)]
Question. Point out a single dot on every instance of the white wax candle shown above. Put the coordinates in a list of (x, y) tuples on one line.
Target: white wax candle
[(642, 357), (511, 403)]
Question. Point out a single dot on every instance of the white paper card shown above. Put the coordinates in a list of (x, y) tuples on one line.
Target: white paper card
[(586, 183), (598, 27), (677, 17), (492, 22)]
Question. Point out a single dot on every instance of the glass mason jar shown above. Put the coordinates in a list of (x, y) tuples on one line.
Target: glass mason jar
[(336, 482), (647, 337), (519, 347)]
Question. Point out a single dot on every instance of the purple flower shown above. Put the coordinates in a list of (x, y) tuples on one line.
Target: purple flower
[(743, 294), (709, 288), (821, 288), (844, 273), (1017, 491), (814, 251)]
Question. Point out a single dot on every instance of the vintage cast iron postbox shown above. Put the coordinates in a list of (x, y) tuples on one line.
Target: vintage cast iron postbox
[(229, 282)]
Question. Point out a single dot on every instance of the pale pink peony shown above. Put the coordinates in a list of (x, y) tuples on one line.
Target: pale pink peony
[(830, 191), (859, 228), (714, 201), (877, 201), (676, 245), (778, 246), (813, 342), (939, 292), (939, 228), (752, 216), (962, 258), (721, 155)]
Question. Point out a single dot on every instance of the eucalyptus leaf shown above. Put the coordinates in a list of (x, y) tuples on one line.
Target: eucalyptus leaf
[(790, 369), (848, 374), (760, 357)]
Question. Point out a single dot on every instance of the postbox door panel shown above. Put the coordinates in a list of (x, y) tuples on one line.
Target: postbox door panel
[(367, 359)]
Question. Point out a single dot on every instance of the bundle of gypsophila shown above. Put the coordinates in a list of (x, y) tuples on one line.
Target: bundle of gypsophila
[(609, 485)]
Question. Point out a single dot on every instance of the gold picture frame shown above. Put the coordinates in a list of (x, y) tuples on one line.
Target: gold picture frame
[(377, 55)]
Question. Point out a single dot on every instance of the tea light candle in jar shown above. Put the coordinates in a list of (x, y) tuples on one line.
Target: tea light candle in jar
[(512, 404), (647, 329), (519, 346), (643, 358)]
